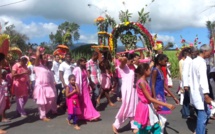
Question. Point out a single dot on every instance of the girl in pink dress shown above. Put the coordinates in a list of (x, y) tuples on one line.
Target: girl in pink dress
[(20, 73), (88, 111), (44, 90), (146, 118), (129, 96), (105, 81), (72, 100)]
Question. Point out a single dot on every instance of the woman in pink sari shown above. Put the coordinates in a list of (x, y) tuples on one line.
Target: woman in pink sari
[(44, 91), (20, 73), (129, 96), (88, 111)]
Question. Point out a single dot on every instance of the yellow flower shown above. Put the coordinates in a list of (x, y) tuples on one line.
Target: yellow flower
[(126, 23), (111, 42), (102, 32), (158, 46)]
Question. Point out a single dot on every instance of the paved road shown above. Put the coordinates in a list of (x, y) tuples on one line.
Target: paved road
[(58, 125)]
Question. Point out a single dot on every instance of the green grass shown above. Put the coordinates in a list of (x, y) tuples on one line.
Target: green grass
[(174, 63)]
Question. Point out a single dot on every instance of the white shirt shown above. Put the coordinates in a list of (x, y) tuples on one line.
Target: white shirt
[(55, 69), (181, 63), (198, 82), (186, 71), (67, 71), (32, 76)]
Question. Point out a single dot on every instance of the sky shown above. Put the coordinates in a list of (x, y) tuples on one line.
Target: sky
[(171, 19)]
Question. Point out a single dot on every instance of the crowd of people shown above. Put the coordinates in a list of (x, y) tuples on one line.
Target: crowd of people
[(141, 83)]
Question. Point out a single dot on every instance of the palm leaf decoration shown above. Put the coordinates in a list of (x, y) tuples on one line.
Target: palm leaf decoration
[(143, 17)]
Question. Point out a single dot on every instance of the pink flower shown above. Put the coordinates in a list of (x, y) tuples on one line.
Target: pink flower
[(183, 41)]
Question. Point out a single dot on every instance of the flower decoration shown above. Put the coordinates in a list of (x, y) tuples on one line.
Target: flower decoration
[(126, 23), (186, 45), (15, 50), (100, 19), (4, 43), (158, 45), (138, 27), (61, 50), (111, 42), (102, 32), (183, 41)]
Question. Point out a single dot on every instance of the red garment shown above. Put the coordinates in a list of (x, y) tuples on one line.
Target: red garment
[(164, 70)]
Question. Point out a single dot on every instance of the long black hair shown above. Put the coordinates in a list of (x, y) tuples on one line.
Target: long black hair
[(158, 58), (80, 60), (142, 68)]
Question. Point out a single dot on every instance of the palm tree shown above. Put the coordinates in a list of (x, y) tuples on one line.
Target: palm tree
[(211, 28)]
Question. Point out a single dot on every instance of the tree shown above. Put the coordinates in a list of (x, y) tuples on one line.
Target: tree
[(16, 39), (67, 33), (211, 28), (48, 48)]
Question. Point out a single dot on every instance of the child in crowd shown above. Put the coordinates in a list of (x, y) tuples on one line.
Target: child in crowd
[(169, 76), (158, 85), (145, 117), (105, 80), (7, 95), (72, 100), (32, 76)]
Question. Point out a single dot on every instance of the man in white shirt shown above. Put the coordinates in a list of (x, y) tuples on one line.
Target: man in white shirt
[(65, 70), (185, 83), (199, 88), (32, 75), (58, 84)]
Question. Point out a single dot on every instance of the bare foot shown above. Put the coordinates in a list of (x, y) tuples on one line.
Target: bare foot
[(77, 127), (5, 120), (111, 104), (94, 120), (119, 99), (212, 118), (46, 119), (68, 122), (114, 130), (135, 131), (3, 131), (98, 101)]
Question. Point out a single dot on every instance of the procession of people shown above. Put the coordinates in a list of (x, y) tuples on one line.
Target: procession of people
[(140, 84)]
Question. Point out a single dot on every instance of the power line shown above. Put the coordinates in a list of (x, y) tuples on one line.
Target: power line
[(12, 3)]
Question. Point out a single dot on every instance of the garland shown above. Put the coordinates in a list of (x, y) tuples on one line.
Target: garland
[(138, 28)]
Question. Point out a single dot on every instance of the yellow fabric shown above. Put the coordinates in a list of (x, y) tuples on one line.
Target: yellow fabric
[(29, 63)]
